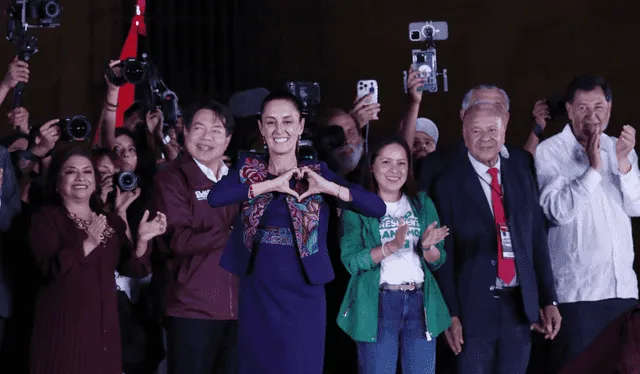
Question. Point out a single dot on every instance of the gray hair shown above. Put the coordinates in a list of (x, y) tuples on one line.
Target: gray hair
[(466, 101)]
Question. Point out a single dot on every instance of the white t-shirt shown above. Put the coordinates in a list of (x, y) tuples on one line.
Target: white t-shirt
[(403, 266)]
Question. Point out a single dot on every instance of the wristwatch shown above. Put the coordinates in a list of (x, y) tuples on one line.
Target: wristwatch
[(538, 131)]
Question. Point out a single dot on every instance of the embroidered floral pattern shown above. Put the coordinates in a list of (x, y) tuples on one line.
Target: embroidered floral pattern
[(305, 214), (274, 235)]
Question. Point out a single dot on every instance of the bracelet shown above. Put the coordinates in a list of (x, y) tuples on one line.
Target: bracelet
[(384, 254), (251, 192)]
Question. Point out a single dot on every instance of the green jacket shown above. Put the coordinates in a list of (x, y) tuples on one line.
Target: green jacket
[(359, 311)]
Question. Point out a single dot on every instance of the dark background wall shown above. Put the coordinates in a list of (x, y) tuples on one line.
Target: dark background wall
[(214, 47)]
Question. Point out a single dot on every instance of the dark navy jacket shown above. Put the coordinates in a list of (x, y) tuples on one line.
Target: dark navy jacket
[(468, 278)]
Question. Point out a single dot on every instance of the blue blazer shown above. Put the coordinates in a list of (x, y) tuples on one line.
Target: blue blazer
[(317, 267), (468, 278)]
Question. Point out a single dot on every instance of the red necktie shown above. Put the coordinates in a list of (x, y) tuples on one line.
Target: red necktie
[(506, 266)]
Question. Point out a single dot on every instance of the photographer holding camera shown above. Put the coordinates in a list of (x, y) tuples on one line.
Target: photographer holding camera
[(161, 142)]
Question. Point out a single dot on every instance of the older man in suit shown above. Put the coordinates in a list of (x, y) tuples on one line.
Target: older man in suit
[(201, 307), (9, 207), (498, 276)]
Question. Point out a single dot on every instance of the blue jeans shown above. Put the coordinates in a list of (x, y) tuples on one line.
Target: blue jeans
[(401, 329)]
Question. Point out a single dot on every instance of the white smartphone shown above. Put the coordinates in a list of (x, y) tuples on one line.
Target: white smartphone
[(366, 87)]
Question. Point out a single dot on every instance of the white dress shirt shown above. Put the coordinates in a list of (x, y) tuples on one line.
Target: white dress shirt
[(485, 181), (222, 171), (590, 242)]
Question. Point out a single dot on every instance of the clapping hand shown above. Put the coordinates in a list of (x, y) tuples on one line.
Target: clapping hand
[(401, 237), (95, 232), (624, 146), (432, 235), (149, 229)]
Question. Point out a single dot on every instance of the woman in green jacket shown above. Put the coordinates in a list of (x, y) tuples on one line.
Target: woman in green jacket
[(393, 305)]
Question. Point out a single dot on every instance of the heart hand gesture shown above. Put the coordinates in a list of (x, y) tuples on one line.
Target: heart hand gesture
[(282, 183), (317, 184)]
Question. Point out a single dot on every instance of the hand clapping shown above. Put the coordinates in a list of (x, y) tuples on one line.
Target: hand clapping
[(95, 232), (432, 235), (149, 229)]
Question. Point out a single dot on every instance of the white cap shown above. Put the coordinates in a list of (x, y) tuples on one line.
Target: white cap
[(428, 127)]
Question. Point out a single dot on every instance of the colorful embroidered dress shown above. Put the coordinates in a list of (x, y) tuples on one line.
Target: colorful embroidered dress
[(278, 247)]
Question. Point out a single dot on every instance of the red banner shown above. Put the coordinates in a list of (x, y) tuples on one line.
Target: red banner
[(126, 95)]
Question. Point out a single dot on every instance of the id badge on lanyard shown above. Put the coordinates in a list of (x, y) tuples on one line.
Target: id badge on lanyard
[(505, 238)]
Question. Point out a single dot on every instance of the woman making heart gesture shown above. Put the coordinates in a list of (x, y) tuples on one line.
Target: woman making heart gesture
[(77, 247), (393, 306), (278, 244)]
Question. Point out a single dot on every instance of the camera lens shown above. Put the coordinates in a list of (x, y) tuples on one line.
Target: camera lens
[(415, 35), (78, 128), (127, 181), (133, 71), (51, 9)]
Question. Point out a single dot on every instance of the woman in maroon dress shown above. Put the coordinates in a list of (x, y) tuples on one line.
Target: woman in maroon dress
[(77, 248)]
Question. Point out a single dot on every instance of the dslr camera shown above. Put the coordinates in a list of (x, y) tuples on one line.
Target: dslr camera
[(155, 93), (126, 181), (76, 128), (130, 70), (44, 13)]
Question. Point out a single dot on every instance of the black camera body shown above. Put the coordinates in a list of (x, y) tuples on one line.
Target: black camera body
[(44, 14), (130, 70), (47, 12), (126, 181), (155, 94), (76, 128)]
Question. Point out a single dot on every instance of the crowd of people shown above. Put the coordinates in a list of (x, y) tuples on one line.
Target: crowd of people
[(398, 256)]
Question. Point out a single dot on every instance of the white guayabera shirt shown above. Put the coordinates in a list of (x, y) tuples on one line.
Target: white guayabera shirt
[(590, 240)]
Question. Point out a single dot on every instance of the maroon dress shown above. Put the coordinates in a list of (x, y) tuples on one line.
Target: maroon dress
[(76, 329)]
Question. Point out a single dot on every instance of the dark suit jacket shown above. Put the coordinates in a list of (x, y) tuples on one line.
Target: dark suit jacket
[(468, 278), (431, 167), (10, 206)]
